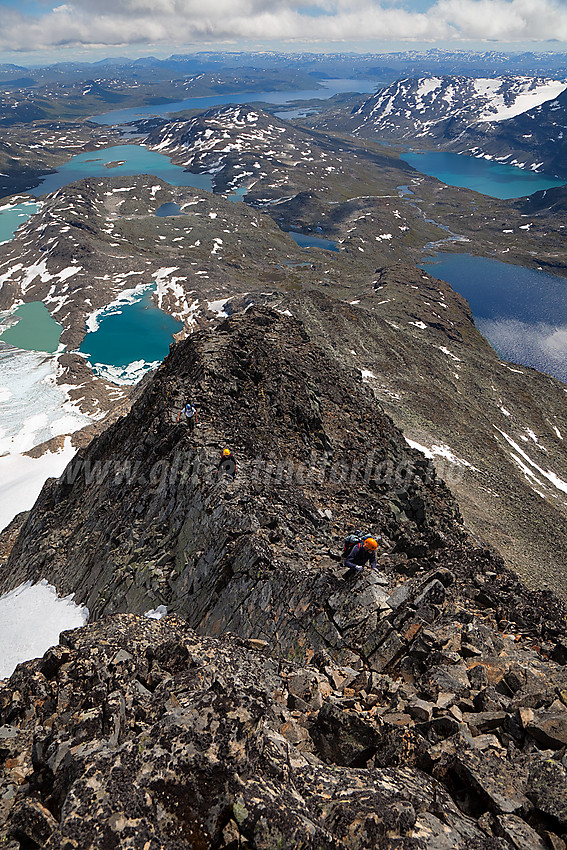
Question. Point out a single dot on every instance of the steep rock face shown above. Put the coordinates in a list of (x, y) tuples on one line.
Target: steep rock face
[(141, 518), (491, 426), (419, 706)]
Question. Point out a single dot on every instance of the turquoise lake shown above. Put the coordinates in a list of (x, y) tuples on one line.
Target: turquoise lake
[(12, 217), (481, 175), (521, 312), (130, 160), (330, 88), (132, 337), (35, 329)]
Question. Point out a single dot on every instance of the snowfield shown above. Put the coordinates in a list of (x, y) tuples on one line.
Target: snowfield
[(31, 619)]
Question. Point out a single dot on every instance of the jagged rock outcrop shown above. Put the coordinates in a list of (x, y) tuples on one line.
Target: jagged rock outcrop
[(141, 518), (420, 706), (140, 733)]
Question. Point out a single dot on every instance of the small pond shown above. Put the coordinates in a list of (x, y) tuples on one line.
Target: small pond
[(308, 241), (35, 330), (168, 209), (13, 216)]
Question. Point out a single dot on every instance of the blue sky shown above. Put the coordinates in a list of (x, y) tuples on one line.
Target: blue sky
[(38, 31)]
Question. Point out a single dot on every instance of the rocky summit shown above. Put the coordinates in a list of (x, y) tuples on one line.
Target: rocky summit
[(280, 703)]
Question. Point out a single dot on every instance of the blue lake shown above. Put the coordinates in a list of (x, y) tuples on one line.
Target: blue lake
[(132, 337), (12, 217), (168, 209), (309, 241), (521, 312), (481, 175), (330, 88), (125, 161)]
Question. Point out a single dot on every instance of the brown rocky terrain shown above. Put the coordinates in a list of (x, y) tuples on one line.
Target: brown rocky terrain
[(496, 430), (280, 704)]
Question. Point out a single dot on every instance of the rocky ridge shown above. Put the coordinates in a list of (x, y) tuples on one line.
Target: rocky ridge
[(95, 238), (421, 706), (494, 441)]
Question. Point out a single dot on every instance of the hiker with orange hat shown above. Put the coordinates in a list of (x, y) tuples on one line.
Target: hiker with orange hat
[(360, 554), (227, 464)]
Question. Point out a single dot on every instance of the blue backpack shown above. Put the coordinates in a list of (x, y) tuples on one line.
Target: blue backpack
[(352, 539)]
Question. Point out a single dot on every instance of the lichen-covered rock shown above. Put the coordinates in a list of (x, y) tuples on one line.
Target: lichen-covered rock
[(405, 709), (172, 740)]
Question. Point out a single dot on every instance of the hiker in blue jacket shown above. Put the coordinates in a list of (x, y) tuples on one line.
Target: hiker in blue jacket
[(360, 554), (188, 414)]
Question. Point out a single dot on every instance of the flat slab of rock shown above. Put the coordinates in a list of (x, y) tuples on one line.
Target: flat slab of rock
[(547, 789), (494, 780)]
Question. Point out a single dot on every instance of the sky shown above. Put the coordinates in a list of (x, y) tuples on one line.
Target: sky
[(35, 31)]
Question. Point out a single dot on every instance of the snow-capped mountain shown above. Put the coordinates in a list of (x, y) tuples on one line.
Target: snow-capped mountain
[(520, 120), (422, 106)]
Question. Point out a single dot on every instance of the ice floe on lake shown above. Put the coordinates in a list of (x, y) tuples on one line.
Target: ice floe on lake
[(33, 407)]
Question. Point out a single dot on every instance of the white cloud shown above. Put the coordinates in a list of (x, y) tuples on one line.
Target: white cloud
[(542, 346), (182, 22)]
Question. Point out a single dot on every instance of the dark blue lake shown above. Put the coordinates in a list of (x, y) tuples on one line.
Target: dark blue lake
[(481, 175), (129, 337), (306, 240), (330, 88), (123, 160), (521, 312), (168, 209)]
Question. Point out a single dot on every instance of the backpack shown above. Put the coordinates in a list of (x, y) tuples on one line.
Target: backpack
[(352, 539), (189, 411)]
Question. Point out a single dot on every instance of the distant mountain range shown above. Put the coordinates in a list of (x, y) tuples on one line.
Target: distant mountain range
[(384, 66), (515, 119)]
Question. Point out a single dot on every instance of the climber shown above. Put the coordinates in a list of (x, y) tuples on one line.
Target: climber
[(189, 413), (227, 464), (360, 554)]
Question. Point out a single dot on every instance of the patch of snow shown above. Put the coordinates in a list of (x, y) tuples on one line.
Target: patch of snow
[(125, 375), (449, 353), (31, 619), (419, 447), (442, 451), (525, 100), (23, 477), (156, 613), (217, 307), (33, 407), (554, 479)]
